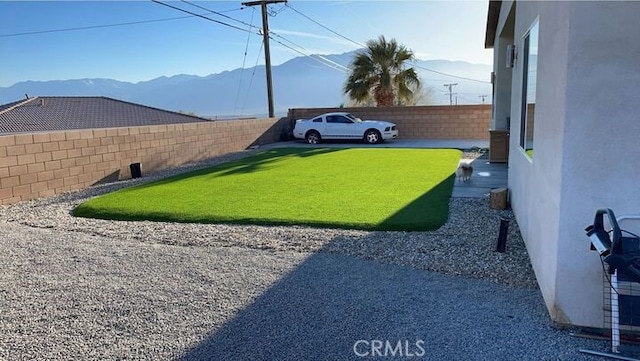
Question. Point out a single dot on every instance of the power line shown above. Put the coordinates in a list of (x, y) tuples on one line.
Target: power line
[(364, 46), (274, 13), (200, 16), (265, 33), (271, 32), (244, 104), (251, 26), (99, 26), (244, 60), (318, 58), (339, 66), (451, 75), (324, 27), (311, 56), (331, 63), (91, 27)]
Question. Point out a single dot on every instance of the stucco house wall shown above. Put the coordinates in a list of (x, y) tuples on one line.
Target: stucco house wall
[(585, 136), (602, 128), (535, 184)]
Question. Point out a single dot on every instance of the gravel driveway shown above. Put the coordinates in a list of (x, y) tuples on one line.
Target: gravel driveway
[(86, 289)]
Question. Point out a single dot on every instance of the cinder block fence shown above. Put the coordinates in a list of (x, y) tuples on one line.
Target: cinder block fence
[(423, 122), (46, 163), (43, 164)]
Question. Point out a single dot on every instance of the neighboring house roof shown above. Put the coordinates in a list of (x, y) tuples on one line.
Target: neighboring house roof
[(492, 23), (65, 113), (4, 107)]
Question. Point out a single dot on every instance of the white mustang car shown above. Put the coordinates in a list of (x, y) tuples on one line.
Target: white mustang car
[(343, 126)]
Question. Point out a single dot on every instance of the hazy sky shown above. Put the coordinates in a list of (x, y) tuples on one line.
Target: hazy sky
[(147, 49)]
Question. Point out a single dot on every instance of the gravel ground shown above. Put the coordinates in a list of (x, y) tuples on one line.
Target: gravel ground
[(463, 246), (91, 289)]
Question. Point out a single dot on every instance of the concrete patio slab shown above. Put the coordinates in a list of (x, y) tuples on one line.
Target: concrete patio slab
[(486, 176)]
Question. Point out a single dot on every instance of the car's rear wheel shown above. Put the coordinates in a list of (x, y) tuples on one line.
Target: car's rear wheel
[(372, 136), (312, 137)]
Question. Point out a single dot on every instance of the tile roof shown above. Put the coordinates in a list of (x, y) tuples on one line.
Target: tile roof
[(65, 113)]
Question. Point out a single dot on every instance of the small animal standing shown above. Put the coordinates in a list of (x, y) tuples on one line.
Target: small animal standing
[(464, 172)]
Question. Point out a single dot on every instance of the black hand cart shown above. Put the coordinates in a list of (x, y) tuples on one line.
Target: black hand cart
[(620, 254)]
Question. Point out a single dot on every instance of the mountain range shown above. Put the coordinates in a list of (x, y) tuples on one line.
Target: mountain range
[(301, 82)]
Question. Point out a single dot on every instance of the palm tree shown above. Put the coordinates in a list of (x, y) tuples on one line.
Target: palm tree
[(379, 72)]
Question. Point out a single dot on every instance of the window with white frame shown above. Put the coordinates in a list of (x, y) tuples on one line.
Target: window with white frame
[(529, 81)]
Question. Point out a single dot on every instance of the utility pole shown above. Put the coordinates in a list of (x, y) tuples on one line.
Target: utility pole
[(483, 97), (450, 86), (267, 54)]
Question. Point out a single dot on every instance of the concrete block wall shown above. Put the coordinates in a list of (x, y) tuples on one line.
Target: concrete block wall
[(43, 164), (421, 122)]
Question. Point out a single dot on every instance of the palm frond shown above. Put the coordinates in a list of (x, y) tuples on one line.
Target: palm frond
[(379, 72)]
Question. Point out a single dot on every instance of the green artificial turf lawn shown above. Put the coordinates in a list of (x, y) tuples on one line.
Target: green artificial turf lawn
[(530, 153), (359, 188)]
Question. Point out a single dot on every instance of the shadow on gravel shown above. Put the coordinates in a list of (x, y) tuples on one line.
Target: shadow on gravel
[(334, 307)]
